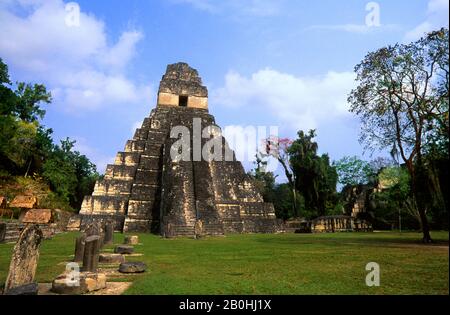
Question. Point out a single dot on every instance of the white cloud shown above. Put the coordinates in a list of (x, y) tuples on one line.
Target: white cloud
[(95, 156), (121, 54), (436, 17), (75, 62), (299, 102), (257, 8), (136, 125)]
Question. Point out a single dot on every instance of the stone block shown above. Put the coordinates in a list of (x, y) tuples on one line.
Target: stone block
[(25, 257), (124, 249), (79, 248), (38, 216), (135, 146), (110, 186), (87, 282), (127, 158), (111, 258), (132, 267), (109, 233), (91, 253), (28, 202), (198, 102), (148, 177), (167, 99), (120, 172), (131, 240), (26, 289)]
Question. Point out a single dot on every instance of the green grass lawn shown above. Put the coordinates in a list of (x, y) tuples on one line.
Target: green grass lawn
[(272, 264)]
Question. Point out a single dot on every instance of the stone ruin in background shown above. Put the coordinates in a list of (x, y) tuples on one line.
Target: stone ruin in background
[(146, 191)]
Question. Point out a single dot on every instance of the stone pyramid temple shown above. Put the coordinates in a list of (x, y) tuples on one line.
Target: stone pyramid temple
[(146, 190)]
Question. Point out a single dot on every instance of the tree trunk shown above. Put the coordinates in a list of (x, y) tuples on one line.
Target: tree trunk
[(291, 185), (294, 193), (420, 204), (28, 168)]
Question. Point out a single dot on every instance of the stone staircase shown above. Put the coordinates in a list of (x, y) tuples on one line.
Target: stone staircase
[(14, 228), (143, 206), (184, 230)]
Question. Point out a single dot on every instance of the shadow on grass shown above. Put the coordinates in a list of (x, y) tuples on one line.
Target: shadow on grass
[(441, 238)]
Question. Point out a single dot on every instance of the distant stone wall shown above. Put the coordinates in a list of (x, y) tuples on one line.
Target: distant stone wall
[(339, 223), (87, 220)]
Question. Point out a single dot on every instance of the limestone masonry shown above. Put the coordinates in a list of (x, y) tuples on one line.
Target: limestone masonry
[(146, 191)]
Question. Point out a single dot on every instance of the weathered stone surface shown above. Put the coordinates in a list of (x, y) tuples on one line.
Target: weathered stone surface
[(131, 240), (339, 223), (88, 282), (26, 289), (38, 216), (356, 199), (74, 223), (132, 267), (91, 253), (2, 231), (124, 249), (101, 241), (111, 258), (109, 233), (198, 230), (61, 219), (147, 191), (95, 228), (20, 201), (79, 248), (25, 257)]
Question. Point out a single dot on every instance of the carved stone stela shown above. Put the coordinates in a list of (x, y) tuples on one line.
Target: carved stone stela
[(145, 190)]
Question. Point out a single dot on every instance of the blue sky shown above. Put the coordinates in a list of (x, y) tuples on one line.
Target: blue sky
[(265, 62)]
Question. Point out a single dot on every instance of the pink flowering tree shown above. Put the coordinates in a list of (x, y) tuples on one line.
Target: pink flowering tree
[(279, 149)]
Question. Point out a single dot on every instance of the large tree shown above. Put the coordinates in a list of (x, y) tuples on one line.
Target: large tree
[(20, 113), (402, 100), (279, 149), (315, 178)]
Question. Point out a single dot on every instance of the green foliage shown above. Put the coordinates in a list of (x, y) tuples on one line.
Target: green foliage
[(26, 147), (353, 171), (282, 201), (394, 202), (69, 173), (29, 97), (264, 181), (311, 187), (4, 75), (54, 201), (315, 178), (20, 130), (60, 175), (21, 143)]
